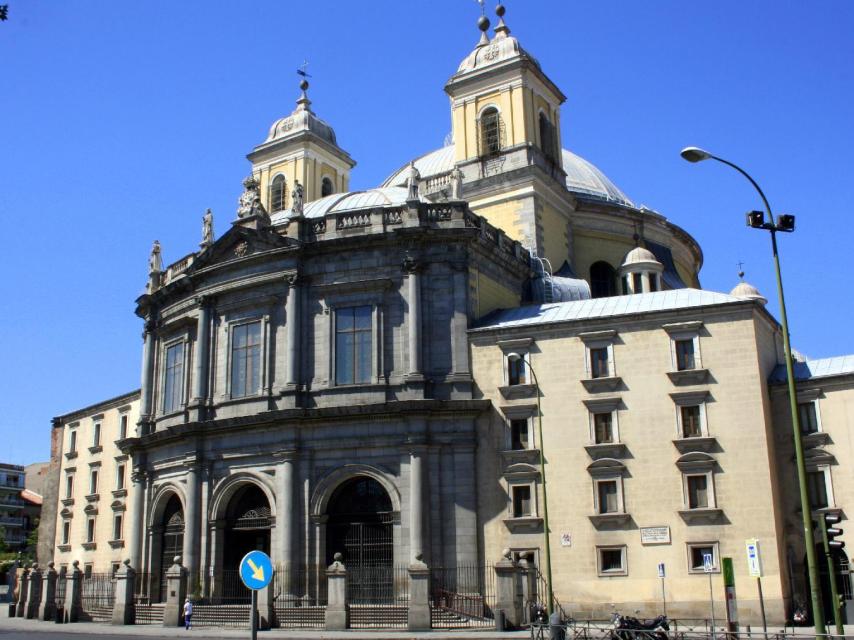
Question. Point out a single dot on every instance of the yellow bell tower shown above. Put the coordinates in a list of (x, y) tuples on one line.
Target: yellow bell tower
[(301, 149)]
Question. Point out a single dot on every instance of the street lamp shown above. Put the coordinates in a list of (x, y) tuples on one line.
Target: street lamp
[(785, 223), (515, 357)]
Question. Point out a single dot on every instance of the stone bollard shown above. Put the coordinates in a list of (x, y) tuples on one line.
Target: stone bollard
[(508, 594), (176, 592), (73, 592), (34, 593), (47, 608), (265, 607), (124, 610), (337, 609), (23, 588), (419, 596)]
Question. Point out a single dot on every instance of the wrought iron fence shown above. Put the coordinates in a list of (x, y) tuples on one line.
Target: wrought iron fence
[(59, 593), (228, 602), (378, 596), (299, 596), (227, 588), (146, 612), (462, 597), (97, 595)]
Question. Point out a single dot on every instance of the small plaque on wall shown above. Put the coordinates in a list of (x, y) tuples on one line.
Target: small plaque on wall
[(566, 539), (655, 535)]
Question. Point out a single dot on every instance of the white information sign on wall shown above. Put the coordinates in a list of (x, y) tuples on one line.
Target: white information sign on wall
[(754, 561), (566, 539), (707, 563), (655, 535)]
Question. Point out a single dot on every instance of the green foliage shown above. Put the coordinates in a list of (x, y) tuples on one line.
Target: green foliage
[(3, 546), (33, 538)]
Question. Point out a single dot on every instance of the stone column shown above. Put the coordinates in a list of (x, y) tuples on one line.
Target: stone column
[(459, 338), (337, 608), (198, 402), (34, 593), (23, 591), (507, 592), (147, 382), (124, 611), (73, 592), (47, 608), (285, 512), (216, 531), (176, 592), (137, 519), (413, 300), (191, 526), (292, 316), (416, 503)]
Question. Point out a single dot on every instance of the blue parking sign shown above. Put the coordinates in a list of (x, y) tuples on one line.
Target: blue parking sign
[(256, 570)]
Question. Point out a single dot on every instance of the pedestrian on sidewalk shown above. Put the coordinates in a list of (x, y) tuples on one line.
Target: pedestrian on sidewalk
[(188, 613)]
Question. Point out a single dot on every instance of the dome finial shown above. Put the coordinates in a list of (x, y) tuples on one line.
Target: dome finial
[(303, 103), (483, 24), (501, 30), (741, 271)]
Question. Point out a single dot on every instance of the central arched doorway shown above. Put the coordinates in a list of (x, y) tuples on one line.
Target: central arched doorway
[(247, 528), (171, 540)]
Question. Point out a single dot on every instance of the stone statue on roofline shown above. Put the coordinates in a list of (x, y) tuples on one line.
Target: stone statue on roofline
[(207, 229), (155, 264), (297, 198), (456, 184), (250, 200), (412, 180)]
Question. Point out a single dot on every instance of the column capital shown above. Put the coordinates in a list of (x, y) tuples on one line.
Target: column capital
[(205, 300), (411, 265), (286, 455), (293, 279)]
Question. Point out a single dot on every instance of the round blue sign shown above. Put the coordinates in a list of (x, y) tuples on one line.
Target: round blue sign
[(256, 570)]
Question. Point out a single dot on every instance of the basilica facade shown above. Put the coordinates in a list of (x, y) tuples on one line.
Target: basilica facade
[(355, 372)]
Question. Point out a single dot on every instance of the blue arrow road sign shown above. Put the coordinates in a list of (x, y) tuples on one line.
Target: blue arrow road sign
[(256, 570)]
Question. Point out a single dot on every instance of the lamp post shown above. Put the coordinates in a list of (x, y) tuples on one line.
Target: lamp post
[(515, 357), (785, 223)]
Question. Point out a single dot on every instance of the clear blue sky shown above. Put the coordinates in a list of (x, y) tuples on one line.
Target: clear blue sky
[(120, 122)]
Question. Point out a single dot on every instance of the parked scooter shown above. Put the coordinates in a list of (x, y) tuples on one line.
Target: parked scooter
[(630, 628)]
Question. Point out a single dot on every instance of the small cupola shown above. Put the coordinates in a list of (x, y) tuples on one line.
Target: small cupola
[(640, 271), (747, 291)]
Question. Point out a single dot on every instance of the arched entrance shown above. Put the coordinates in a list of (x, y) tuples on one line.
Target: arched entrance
[(248, 525), (360, 524), (171, 540)]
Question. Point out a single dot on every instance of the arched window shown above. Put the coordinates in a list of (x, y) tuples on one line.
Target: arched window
[(548, 137), (602, 282), (490, 132), (326, 188), (277, 193)]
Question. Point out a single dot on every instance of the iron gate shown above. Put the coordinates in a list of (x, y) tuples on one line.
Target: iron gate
[(98, 593)]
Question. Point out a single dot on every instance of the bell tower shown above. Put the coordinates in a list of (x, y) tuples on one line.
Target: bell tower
[(300, 148)]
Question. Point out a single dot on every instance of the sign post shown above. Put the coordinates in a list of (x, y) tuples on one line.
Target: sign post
[(256, 571), (661, 574), (708, 567), (729, 595), (754, 568)]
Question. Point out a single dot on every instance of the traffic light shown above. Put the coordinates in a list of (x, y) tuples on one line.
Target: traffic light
[(831, 519), (755, 219)]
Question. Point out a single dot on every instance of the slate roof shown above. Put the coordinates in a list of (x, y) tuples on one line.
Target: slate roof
[(818, 368)]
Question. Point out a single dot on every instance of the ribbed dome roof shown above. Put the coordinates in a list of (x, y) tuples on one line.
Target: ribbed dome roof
[(583, 179), (501, 48), (748, 291), (639, 255), (301, 120)]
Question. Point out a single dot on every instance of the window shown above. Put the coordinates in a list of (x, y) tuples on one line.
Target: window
[(66, 532), (326, 188), (117, 527), (808, 417), (817, 488), (521, 496), (90, 530), (353, 345), (120, 477), (685, 354), (548, 137), (173, 386), (603, 428), (93, 482), (277, 193), (612, 561), (519, 434), (691, 421), (653, 282), (69, 486), (115, 566), (245, 359), (698, 491), (637, 283), (607, 495), (96, 435), (490, 132), (72, 444), (599, 363), (602, 280), (517, 371), (87, 570), (697, 552), (123, 426)]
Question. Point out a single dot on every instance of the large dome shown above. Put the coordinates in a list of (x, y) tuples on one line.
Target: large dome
[(583, 179)]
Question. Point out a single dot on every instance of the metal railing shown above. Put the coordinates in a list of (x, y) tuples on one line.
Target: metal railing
[(97, 596), (299, 596), (462, 597), (378, 596)]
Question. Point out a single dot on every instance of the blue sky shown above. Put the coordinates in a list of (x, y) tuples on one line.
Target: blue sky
[(120, 122)]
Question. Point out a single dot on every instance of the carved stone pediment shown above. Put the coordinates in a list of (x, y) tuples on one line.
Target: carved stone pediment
[(240, 242)]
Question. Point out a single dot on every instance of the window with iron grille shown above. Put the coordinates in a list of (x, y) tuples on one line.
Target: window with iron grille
[(246, 359), (277, 193), (490, 137)]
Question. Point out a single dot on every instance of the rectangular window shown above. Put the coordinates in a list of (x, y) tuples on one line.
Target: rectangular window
[(173, 386), (246, 359), (353, 345), (120, 477), (123, 427), (626, 290), (612, 560), (599, 363), (517, 371), (96, 435), (637, 282), (691, 425), (521, 501), (69, 486), (603, 427), (117, 527), (66, 532), (93, 482), (685, 354), (90, 530), (697, 553), (519, 438), (72, 445), (608, 497), (653, 282), (114, 567), (808, 417), (817, 488), (87, 570), (698, 492)]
